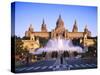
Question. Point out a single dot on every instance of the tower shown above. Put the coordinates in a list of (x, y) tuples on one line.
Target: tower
[(87, 31), (86, 34), (30, 31), (30, 28), (75, 28), (43, 27)]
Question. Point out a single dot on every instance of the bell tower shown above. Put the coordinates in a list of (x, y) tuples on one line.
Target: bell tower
[(30, 31), (43, 27), (30, 28), (87, 31), (75, 28)]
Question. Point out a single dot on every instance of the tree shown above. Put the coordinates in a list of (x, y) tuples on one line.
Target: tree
[(43, 41), (18, 45), (26, 38)]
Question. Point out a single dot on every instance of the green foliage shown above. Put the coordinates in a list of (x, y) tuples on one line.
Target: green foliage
[(43, 41), (26, 38), (18, 46), (24, 56)]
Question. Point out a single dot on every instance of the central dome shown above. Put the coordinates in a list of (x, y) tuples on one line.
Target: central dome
[(60, 22)]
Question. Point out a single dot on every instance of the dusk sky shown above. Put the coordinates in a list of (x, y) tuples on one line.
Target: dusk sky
[(34, 13)]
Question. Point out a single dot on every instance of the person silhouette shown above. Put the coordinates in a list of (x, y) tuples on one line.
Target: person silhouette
[(61, 60)]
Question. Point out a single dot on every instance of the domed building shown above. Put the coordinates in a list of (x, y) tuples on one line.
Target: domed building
[(60, 30)]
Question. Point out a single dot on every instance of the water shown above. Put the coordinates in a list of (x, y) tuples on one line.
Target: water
[(59, 44)]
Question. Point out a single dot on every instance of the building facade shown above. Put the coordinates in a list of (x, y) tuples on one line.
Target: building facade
[(60, 30)]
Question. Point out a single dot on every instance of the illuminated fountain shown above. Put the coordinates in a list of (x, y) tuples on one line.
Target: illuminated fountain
[(59, 45)]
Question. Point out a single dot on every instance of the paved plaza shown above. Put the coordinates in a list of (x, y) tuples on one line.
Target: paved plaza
[(55, 65)]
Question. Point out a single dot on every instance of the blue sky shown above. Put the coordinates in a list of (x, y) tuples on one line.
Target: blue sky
[(34, 13)]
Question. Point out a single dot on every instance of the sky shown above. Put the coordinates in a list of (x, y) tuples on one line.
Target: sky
[(33, 13)]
